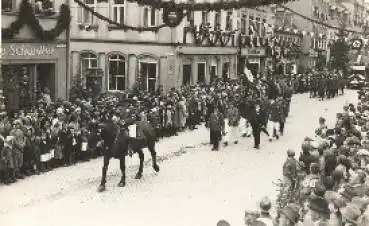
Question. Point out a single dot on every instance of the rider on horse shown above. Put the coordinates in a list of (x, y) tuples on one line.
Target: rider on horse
[(119, 141)]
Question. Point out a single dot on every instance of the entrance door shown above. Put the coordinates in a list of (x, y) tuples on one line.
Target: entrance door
[(254, 68), (201, 67), (148, 76), (18, 85), (46, 78), (225, 72), (187, 71), (213, 73)]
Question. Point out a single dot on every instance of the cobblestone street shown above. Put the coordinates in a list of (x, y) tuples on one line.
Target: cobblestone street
[(194, 187)]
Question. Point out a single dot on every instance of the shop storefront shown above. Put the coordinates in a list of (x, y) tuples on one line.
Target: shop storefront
[(204, 64), (254, 59), (31, 68)]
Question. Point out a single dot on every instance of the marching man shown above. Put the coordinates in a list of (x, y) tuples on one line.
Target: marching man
[(233, 129), (274, 120)]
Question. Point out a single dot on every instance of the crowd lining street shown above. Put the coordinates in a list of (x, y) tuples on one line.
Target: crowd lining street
[(198, 187)]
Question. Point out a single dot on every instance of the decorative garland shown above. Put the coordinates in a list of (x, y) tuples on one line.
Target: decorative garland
[(158, 4), (203, 35), (322, 23), (27, 16), (121, 26)]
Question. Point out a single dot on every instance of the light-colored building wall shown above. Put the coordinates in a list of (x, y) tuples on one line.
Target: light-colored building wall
[(26, 50), (166, 47)]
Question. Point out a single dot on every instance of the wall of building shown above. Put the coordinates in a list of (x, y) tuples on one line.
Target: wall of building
[(26, 48)]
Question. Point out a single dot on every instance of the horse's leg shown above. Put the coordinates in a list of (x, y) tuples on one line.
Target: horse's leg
[(142, 158), (104, 170), (122, 182), (151, 148)]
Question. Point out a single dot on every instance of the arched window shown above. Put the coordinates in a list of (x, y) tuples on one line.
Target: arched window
[(117, 72)]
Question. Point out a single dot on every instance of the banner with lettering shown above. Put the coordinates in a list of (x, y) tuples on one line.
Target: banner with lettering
[(21, 50)]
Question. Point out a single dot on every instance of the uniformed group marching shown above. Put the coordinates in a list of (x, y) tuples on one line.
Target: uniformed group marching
[(249, 109), (320, 84), (328, 184)]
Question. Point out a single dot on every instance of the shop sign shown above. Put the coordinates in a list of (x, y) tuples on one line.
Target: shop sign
[(257, 52), (27, 50)]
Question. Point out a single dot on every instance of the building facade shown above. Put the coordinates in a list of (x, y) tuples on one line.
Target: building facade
[(315, 36), (205, 46), (33, 59)]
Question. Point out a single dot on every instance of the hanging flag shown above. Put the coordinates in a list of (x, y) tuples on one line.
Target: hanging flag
[(356, 44)]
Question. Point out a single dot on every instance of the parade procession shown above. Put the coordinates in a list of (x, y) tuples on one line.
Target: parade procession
[(251, 112)]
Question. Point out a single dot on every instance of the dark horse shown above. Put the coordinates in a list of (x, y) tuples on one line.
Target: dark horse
[(117, 144)]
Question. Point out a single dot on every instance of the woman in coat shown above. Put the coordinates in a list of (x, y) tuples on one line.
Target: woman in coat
[(180, 114)]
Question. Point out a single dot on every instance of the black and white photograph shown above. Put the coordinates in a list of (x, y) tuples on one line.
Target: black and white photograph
[(184, 113)]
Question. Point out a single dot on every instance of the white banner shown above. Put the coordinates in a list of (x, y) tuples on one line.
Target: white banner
[(84, 146)]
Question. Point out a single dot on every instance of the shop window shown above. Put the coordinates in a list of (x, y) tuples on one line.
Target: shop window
[(217, 18), (117, 73), (148, 75), (229, 22), (88, 63), (117, 11), (187, 71), (84, 16), (201, 72), (7, 5)]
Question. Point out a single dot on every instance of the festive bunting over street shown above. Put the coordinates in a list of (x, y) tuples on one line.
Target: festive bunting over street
[(321, 23), (219, 5), (27, 17)]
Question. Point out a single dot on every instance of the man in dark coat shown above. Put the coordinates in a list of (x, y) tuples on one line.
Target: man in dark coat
[(216, 126), (256, 123)]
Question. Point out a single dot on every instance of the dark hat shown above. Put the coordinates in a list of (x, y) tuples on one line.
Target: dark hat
[(223, 223), (319, 205)]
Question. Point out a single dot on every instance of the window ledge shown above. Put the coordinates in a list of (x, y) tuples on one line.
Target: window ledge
[(51, 14)]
